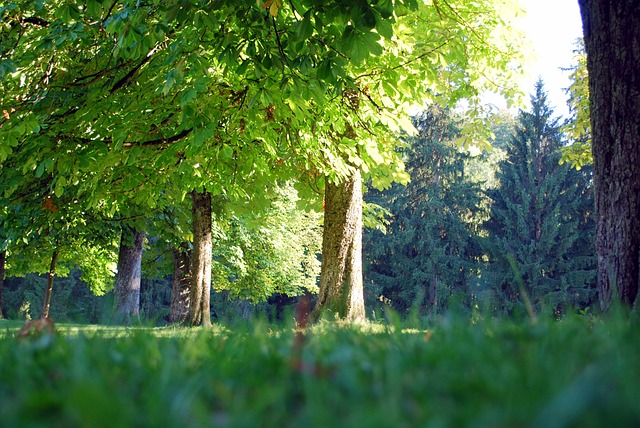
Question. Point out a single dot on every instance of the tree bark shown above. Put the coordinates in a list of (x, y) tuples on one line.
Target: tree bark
[(48, 291), (3, 257), (181, 285), (341, 291), (200, 296), (612, 40), (127, 284)]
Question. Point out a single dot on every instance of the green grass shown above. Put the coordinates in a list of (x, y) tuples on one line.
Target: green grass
[(494, 373)]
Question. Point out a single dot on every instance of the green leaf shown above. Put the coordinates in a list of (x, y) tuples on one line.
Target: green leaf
[(59, 187), (94, 8), (385, 7), (385, 28), (361, 45), (373, 152), (188, 96), (40, 169), (305, 28), (226, 153)]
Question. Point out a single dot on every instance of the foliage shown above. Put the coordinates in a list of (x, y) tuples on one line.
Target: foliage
[(489, 373), (137, 95), (578, 127), (541, 241), (269, 252), (429, 252), (72, 300), (258, 250), (115, 108)]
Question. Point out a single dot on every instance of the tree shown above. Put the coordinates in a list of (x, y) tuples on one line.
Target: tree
[(452, 36), (180, 288), (274, 250), (200, 295), (225, 97), (540, 217), (129, 274), (612, 41), (341, 292), (429, 251), (41, 230)]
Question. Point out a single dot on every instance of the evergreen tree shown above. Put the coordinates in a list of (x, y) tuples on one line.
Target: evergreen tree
[(429, 252), (541, 227)]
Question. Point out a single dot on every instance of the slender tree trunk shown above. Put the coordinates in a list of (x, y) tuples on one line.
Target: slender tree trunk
[(432, 294), (181, 285), (127, 284), (47, 293), (612, 40), (200, 305), (3, 257), (341, 291)]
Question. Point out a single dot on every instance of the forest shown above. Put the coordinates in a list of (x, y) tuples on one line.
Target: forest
[(239, 213)]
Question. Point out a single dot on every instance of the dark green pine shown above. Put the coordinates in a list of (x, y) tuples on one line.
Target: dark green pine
[(428, 256), (541, 226)]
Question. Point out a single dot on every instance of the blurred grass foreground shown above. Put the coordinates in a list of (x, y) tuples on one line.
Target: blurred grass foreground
[(581, 371)]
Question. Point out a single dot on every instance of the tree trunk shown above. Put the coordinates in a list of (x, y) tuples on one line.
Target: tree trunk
[(127, 285), (341, 292), (181, 285), (612, 40), (47, 293), (200, 305), (3, 257)]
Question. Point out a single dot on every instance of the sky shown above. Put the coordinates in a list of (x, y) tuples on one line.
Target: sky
[(552, 27)]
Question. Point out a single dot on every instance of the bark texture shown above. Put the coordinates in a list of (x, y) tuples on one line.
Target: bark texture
[(341, 292), (200, 296), (3, 257), (127, 284), (180, 288), (612, 40), (49, 290)]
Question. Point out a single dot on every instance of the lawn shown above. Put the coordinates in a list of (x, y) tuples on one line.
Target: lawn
[(581, 371)]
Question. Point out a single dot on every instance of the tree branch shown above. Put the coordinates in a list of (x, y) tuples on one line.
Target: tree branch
[(35, 20), (129, 76), (159, 141)]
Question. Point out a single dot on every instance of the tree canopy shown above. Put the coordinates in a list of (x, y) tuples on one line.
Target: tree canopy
[(126, 106)]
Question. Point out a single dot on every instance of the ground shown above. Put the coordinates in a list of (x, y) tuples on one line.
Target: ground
[(581, 371)]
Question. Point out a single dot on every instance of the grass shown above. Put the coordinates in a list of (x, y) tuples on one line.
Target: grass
[(581, 371)]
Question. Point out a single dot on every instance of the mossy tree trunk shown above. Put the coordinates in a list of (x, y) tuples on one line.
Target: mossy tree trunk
[(127, 284), (200, 296), (341, 291), (49, 290), (612, 40), (180, 289)]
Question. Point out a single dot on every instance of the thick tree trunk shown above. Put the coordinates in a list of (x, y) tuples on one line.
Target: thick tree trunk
[(181, 285), (127, 284), (48, 291), (341, 292), (3, 257), (200, 305), (612, 40)]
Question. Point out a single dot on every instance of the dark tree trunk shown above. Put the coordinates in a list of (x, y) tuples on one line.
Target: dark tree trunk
[(181, 285), (341, 292), (127, 284), (47, 293), (3, 256), (612, 40), (200, 305)]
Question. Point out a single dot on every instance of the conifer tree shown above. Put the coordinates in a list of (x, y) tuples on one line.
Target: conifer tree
[(541, 226), (429, 252)]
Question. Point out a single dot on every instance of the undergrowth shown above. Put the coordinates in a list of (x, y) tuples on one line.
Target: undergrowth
[(580, 371)]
